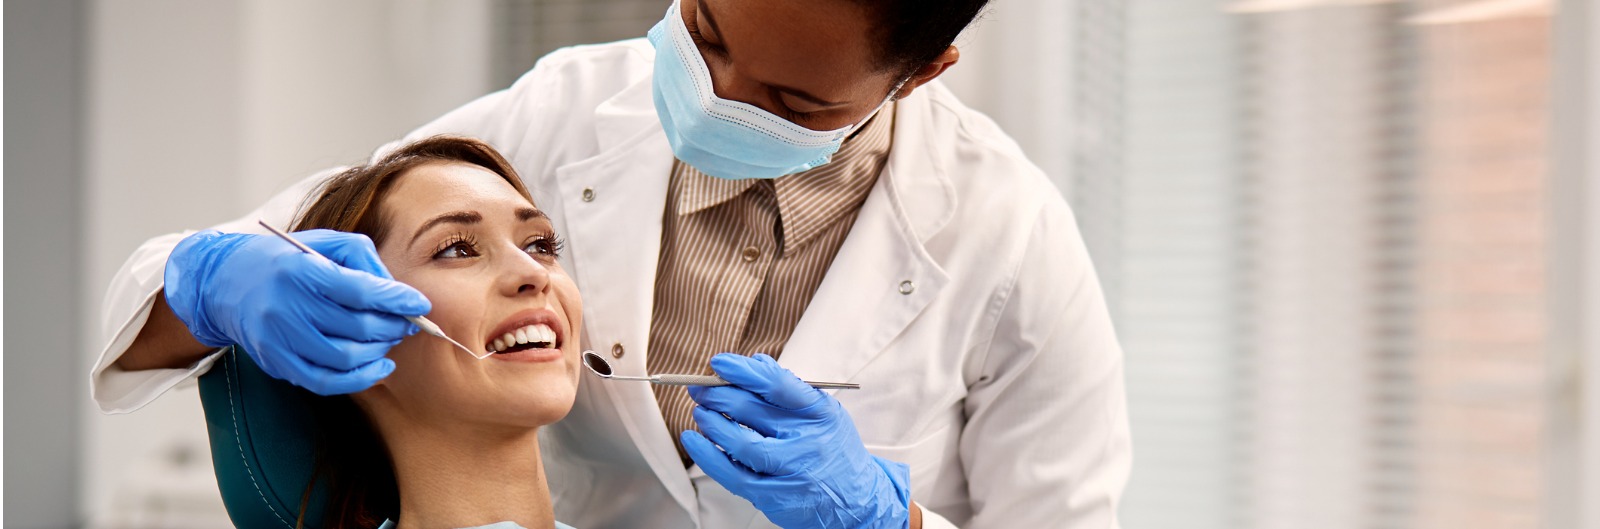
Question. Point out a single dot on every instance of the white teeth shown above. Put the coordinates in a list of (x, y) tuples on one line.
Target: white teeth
[(536, 333)]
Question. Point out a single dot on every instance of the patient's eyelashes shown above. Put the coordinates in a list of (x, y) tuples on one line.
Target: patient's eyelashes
[(545, 245), (457, 246), (464, 246)]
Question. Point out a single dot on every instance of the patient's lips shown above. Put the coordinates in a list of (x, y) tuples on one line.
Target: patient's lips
[(533, 336), (538, 336)]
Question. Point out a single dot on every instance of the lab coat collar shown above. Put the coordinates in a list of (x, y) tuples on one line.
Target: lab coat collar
[(923, 151), (626, 116), (882, 277)]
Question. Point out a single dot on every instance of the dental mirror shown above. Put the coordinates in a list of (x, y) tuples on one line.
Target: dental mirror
[(599, 366)]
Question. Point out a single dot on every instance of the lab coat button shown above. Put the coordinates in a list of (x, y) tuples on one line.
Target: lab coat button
[(750, 254), (616, 350), (588, 194), (907, 287)]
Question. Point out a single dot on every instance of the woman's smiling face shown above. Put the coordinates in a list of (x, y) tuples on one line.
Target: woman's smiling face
[(486, 257)]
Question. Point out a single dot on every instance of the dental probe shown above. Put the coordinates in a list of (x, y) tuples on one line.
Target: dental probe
[(599, 366), (421, 322)]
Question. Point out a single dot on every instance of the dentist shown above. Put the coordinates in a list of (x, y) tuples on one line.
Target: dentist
[(784, 180)]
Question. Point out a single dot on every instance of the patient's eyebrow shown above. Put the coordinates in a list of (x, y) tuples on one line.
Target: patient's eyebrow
[(526, 214), (454, 217)]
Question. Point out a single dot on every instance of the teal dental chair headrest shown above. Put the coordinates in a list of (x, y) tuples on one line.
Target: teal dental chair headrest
[(263, 444)]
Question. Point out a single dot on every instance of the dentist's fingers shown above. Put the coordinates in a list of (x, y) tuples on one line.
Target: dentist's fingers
[(762, 375), (343, 354), (359, 290), (325, 381), (745, 407), (350, 250), (715, 463), (299, 338), (743, 444), (364, 325)]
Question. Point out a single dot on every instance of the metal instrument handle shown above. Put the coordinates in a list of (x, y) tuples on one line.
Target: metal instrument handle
[(688, 380), (712, 380)]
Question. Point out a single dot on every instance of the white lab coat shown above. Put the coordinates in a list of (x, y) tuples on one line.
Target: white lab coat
[(962, 301)]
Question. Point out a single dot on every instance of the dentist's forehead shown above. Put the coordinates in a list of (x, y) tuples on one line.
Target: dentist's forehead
[(820, 47)]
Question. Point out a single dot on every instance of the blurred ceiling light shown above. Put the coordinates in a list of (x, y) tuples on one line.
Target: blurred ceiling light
[(1483, 10), (1273, 6)]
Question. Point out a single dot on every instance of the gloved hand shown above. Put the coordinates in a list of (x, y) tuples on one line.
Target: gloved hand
[(801, 461), (321, 324)]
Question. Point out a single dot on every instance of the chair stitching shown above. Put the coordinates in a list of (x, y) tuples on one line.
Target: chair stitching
[(234, 413)]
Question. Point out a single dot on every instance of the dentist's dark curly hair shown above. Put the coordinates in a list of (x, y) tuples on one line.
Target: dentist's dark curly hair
[(915, 32)]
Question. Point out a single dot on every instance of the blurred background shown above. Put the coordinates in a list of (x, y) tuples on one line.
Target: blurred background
[(1352, 247)]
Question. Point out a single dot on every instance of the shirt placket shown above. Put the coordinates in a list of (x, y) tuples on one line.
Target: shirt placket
[(752, 261)]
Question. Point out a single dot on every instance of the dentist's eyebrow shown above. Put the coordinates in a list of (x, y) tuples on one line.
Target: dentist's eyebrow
[(454, 217)]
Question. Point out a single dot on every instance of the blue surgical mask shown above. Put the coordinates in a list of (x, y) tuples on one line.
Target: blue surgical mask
[(725, 138)]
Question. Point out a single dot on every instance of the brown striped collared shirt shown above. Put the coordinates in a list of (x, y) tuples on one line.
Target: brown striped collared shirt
[(740, 259)]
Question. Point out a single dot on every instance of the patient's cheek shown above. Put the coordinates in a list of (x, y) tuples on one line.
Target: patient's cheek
[(455, 309)]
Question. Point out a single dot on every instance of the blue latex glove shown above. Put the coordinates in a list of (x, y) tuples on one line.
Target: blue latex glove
[(800, 461), (323, 324)]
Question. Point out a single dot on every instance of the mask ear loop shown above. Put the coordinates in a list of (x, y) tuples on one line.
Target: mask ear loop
[(894, 93), (886, 100)]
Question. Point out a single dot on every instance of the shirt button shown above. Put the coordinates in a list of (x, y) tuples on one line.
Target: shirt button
[(588, 194), (907, 287), (750, 254), (616, 350)]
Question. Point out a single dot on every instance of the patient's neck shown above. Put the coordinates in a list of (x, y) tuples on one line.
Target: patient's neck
[(465, 475)]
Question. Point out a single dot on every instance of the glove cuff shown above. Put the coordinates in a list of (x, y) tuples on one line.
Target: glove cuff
[(897, 515), (186, 276)]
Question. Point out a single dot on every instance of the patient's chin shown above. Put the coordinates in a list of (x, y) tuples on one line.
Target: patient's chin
[(540, 403)]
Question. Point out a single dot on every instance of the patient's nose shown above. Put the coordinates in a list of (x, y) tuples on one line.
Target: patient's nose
[(525, 274)]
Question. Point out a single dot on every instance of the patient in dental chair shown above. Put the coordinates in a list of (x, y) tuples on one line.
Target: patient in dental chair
[(448, 440)]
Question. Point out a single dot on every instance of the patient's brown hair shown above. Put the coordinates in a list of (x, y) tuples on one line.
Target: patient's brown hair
[(352, 461), (349, 201)]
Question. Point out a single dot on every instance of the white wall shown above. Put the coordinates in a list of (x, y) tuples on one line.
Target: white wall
[(1130, 108), (1016, 66), (1589, 438), (1309, 141), (1174, 240), (1572, 462), (44, 383), (198, 111)]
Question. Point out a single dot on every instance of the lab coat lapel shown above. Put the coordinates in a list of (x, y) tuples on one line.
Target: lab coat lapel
[(882, 277), (614, 203)]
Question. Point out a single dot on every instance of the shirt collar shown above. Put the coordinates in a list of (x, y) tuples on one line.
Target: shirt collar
[(701, 191)]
